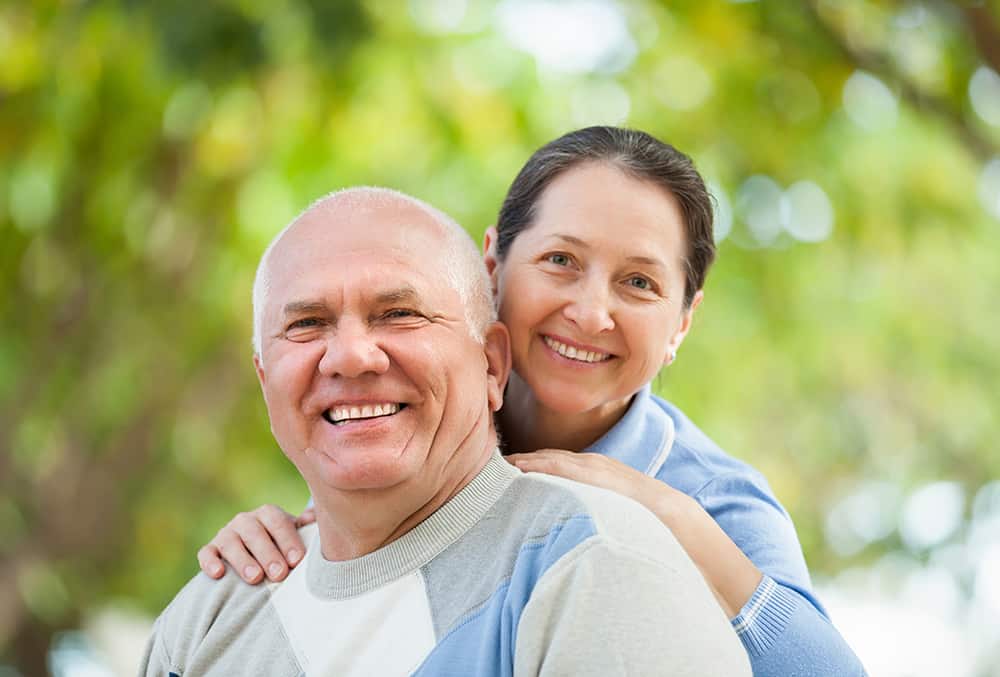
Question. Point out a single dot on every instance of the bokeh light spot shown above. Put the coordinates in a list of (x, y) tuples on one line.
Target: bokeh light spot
[(32, 197), (989, 187), (932, 514), (682, 83), (600, 103), (573, 36), (869, 103), (984, 93), (810, 214), (759, 203)]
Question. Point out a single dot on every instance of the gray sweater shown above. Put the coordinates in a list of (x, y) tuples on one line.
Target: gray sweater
[(516, 575)]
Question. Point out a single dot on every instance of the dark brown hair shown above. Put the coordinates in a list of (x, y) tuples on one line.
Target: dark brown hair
[(635, 153)]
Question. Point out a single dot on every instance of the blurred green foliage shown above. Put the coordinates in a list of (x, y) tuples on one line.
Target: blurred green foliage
[(149, 151)]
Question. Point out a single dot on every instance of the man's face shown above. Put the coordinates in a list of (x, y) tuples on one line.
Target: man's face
[(369, 371)]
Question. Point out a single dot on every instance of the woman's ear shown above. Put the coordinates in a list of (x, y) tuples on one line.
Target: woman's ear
[(682, 330), (490, 255)]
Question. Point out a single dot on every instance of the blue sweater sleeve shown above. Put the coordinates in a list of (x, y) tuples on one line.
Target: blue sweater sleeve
[(783, 627), (786, 635)]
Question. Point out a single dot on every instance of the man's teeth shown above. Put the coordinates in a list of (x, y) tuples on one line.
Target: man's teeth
[(574, 354), (339, 414)]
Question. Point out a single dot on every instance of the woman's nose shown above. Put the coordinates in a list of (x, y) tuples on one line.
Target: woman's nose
[(590, 310)]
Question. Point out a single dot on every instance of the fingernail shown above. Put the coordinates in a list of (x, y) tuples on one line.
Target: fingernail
[(250, 572), (293, 556), (274, 569), (217, 571)]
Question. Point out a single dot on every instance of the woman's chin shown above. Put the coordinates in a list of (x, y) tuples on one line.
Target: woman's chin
[(568, 400)]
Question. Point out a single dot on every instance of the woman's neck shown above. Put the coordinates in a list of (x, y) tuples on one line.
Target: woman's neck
[(528, 425)]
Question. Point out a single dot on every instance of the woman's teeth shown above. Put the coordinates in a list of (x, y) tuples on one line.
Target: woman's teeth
[(574, 354), (341, 414)]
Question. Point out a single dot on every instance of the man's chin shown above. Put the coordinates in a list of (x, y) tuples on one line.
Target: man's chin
[(360, 469)]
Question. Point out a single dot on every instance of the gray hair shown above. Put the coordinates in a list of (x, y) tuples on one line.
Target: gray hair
[(463, 265)]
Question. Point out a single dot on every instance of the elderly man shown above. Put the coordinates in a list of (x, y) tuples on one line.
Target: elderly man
[(381, 365)]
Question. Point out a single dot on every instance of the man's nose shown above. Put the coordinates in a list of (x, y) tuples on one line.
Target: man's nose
[(590, 308), (352, 351)]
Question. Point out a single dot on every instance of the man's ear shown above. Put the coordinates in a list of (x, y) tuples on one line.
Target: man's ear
[(259, 368), (490, 255), (496, 347), (682, 331)]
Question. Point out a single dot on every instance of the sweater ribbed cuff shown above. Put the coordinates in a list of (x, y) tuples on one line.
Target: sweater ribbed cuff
[(765, 616)]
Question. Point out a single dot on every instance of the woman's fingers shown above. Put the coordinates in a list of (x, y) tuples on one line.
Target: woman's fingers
[(258, 543), (230, 547), (568, 464), (283, 531), (210, 561), (251, 531), (308, 516)]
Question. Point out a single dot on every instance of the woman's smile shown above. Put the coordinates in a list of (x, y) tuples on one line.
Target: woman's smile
[(575, 352)]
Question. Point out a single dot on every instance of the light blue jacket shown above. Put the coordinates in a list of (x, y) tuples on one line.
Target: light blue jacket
[(784, 628)]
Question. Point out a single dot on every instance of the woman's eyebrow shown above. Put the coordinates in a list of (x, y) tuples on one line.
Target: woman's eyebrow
[(646, 260), (572, 240)]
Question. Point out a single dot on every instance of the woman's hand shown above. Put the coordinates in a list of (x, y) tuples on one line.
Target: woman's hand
[(730, 575), (600, 471), (253, 542)]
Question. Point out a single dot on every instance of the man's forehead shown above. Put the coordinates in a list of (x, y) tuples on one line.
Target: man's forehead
[(396, 229), (367, 269)]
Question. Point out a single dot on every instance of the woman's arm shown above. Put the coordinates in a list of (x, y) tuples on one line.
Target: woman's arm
[(783, 629), (264, 539), (728, 571)]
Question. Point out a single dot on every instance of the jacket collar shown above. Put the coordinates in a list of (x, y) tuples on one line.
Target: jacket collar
[(642, 438)]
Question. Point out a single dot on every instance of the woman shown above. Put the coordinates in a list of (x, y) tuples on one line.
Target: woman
[(597, 261)]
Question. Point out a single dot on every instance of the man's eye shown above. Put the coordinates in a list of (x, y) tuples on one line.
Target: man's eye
[(399, 313), (304, 323), (558, 259)]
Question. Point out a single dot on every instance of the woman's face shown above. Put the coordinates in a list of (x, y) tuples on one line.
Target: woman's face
[(592, 292)]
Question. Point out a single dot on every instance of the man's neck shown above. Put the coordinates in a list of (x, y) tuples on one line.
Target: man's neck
[(354, 524), (528, 425)]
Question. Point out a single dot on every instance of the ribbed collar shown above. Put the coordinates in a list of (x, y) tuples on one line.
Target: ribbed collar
[(340, 580), (642, 438)]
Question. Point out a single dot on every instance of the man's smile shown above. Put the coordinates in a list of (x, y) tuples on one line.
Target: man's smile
[(341, 414)]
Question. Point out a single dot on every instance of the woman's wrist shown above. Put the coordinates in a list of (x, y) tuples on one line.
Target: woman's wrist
[(728, 571)]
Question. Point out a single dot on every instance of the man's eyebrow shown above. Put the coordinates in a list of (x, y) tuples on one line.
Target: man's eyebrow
[(404, 294), (647, 260), (304, 307)]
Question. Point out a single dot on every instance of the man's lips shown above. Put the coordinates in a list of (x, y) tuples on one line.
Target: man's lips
[(339, 414)]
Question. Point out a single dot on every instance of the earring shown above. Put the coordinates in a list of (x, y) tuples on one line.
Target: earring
[(673, 356)]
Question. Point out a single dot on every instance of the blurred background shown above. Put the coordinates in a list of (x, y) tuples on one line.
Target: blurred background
[(847, 346)]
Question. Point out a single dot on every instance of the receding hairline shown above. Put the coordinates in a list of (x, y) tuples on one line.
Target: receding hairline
[(466, 274)]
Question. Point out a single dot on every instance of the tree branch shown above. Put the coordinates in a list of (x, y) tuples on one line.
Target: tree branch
[(986, 33), (978, 144)]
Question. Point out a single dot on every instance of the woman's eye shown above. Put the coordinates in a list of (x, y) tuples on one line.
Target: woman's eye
[(639, 282), (558, 259)]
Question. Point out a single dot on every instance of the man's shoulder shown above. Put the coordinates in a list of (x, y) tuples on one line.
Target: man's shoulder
[(208, 611), (564, 508)]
